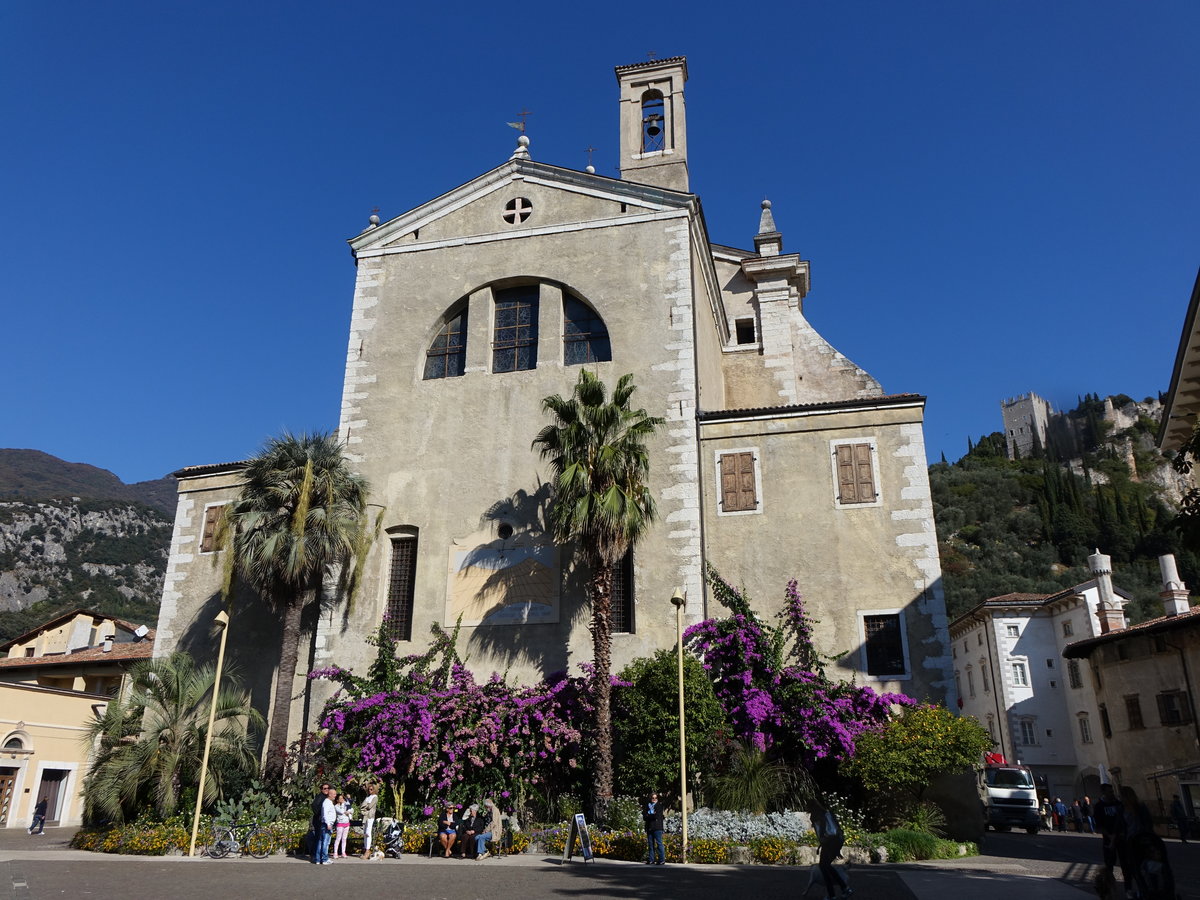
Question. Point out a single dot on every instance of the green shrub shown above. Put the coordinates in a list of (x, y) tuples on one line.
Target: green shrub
[(904, 845)]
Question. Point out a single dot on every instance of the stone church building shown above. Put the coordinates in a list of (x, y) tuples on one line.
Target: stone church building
[(780, 458)]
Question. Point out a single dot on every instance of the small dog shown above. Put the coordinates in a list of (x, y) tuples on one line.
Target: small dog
[(815, 877)]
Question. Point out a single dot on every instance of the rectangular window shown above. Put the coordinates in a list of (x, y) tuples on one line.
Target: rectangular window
[(1012, 630), (1049, 664), (1020, 675), (1085, 730), (213, 516), (855, 473), (971, 681), (1104, 721), (515, 336), (1173, 708), (1073, 675), (1028, 734), (739, 491), (884, 642), (1133, 711), (1068, 629), (402, 585), (744, 329), (622, 595)]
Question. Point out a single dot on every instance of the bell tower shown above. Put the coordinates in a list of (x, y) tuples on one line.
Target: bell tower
[(653, 123)]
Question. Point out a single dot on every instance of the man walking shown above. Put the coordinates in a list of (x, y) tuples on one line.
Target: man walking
[(38, 825), (652, 815)]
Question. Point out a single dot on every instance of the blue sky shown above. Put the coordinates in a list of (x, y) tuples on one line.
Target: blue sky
[(995, 197)]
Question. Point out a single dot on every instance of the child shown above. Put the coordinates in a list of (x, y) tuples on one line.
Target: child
[(343, 809)]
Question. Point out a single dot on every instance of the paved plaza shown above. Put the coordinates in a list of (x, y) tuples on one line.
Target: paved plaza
[(1041, 867)]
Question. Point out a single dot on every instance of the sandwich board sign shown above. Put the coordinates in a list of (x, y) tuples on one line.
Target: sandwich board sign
[(578, 827)]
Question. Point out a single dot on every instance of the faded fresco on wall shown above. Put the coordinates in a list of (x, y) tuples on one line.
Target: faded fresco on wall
[(502, 582)]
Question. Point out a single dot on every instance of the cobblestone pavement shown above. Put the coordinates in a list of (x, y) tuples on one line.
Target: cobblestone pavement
[(1045, 867)]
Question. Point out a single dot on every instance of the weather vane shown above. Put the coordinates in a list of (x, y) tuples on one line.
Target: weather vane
[(520, 126)]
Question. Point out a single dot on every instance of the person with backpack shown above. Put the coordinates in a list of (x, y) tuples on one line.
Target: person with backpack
[(830, 839)]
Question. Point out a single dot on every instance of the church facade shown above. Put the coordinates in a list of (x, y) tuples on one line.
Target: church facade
[(779, 459)]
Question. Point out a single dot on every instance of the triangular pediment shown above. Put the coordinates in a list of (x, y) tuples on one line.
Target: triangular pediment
[(520, 197)]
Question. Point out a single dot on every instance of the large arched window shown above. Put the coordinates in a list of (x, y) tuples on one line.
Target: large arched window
[(447, 355), (654, 123), (585, 338)]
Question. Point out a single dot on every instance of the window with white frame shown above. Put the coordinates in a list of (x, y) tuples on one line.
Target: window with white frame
[(1028, 732), (855, 472), (983, 675), (1085, 729), (1012, 630), (971, 681), (739, 480), (884, 643), (1020, 674)]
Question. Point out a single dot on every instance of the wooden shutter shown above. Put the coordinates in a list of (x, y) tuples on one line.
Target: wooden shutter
[(212, 520), (738, 490), (856, 474)]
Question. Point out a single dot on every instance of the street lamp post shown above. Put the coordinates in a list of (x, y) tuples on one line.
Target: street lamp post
[(679, 599), (222, 620)]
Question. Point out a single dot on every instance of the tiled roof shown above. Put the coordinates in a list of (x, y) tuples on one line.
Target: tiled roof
[(1080, 649), (209, 469), (127, 652), (650, 63), (748, 413), (81, 611)]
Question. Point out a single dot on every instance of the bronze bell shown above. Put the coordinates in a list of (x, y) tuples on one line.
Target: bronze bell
[(654, 125)]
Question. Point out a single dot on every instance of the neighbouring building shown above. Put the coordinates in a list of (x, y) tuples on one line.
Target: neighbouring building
[(780, 458), (53, 681), (1144, 678), (1040, 709)]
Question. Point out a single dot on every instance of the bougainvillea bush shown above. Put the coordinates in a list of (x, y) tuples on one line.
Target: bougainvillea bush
[(426, 723), (772, 684)]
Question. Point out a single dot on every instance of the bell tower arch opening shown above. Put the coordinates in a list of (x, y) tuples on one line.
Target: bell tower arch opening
[(653, 123)]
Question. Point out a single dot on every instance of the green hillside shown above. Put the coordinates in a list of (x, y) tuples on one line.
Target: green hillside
[(1028, 525)]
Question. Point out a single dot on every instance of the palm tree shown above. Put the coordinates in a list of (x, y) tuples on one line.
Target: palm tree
[(300, 512), (149, 745), (597, 453)]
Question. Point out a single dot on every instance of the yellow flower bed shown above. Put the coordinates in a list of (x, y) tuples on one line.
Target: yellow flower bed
[(772, 850)]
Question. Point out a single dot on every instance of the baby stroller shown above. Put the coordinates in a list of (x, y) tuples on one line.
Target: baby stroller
[(392, 840)]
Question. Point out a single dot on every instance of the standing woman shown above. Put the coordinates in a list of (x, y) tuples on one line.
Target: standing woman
[(367, 810), (830, 840)]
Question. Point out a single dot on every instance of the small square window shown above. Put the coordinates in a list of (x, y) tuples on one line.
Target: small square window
[(1012, 630), (1049, 664)]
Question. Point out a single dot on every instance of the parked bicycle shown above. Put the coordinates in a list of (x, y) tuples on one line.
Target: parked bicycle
[(246, 837)]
